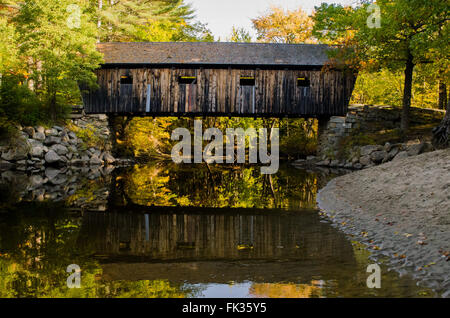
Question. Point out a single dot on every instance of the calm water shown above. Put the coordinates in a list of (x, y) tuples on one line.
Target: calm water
[(172, 231)]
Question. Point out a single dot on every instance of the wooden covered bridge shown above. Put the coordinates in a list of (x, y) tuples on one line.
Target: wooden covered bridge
[(219, 79)]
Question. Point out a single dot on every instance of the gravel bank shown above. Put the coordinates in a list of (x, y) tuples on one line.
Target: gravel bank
[(401, 210)]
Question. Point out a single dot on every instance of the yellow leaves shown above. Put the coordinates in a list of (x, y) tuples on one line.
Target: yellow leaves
[(364, 234), (283, 26), (407, 235)]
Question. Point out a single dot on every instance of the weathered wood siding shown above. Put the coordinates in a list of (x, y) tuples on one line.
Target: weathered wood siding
[(217, 92)]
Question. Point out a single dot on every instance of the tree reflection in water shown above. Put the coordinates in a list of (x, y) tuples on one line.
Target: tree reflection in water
[(174, 231)]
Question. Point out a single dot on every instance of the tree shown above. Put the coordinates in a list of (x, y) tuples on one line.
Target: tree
[(409, 31), (57, 42), (441, 134), (279, 26), (146, 20), (240, 35)]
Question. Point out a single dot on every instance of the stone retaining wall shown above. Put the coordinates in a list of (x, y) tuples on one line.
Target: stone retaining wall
[(364, 119), (34, 148)]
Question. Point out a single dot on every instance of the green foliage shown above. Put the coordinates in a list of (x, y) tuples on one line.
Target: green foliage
[(58, 55), (18, 103), (89, 136), (411, 32), (240, 35)]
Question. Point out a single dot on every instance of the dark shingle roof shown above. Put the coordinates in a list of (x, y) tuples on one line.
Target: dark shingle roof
[(214, 53)]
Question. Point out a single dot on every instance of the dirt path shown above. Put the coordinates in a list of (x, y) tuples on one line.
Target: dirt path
[(401, 210)]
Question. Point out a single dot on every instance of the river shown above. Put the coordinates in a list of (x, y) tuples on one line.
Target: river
[(163, 230)]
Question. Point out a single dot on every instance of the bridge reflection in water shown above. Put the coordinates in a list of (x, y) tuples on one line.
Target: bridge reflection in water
[(203, 245)]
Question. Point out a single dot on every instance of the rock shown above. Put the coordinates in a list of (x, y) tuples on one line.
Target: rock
[(378, 156), (51, 132), (6, 165), (36, 181), (72, 135), (20, 152), (77, 162), (51, 140), (393, 153), (59, 149), (95, 160), (365, 160), (334, 163), (52, 157), (325, 163), (110, 159), (387, 147), (358, 166), (367, 150), (401, 155), (30, 131), (416, 149), (37, 150), (348, 166), (58, 128), (311, 158), (428, 147), (355, 160), (39, 136), (40, 129)]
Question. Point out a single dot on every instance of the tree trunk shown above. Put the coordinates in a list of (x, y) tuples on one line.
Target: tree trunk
[(442, 94), (441, 134), (407, 93)]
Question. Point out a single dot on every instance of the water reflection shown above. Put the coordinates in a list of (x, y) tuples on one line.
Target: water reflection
[(175, 231)]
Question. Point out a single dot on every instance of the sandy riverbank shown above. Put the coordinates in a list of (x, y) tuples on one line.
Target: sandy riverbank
[(401, 209)]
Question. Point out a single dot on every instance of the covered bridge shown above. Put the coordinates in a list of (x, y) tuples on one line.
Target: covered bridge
[(219, 79)]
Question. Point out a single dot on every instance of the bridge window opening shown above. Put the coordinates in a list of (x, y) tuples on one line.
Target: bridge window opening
[(125, 79), (247, 81), (186, 80), (303, 82)]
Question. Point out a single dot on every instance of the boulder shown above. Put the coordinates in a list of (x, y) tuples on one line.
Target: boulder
[(40, 129), (39, 136), (394, 151), (95, 160), (325, 163), (59, 149), (37, 151), (387, 147), (51, 132), (51, 140), (6, 165), (416, 149), (365, 160), (52, 157), (348, 165), (30, 131), (367, 150), (334, 163), (110, 159), (378, 156), (20, 152)]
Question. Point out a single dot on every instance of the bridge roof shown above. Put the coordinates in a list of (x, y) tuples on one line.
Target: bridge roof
[(214, 53)]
